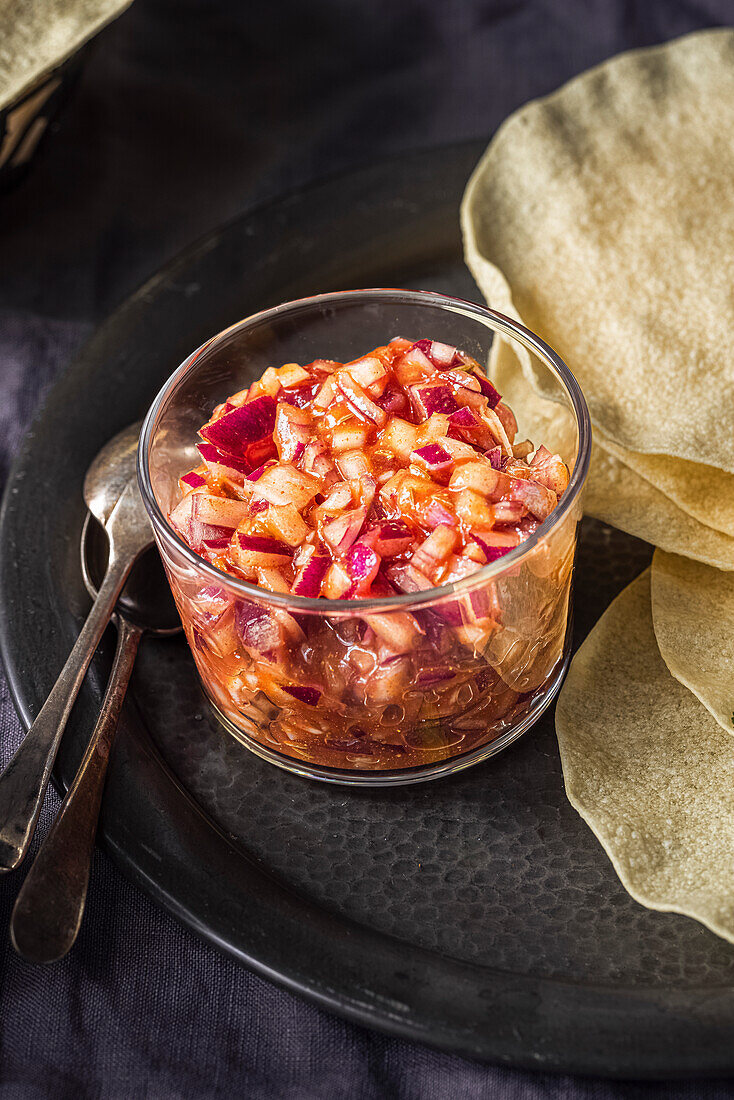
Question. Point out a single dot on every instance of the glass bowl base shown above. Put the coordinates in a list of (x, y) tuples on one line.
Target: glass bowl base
[(397, 777)]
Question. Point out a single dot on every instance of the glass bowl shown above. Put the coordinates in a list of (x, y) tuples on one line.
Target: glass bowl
[(493, 647)]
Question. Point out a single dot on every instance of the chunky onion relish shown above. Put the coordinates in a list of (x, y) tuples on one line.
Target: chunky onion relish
[(395, 473)]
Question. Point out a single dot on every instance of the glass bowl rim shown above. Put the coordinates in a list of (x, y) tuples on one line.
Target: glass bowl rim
[(413, 600)]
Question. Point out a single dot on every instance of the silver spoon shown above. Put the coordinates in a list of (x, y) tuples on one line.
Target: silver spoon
[(112, 496), (50, 905)]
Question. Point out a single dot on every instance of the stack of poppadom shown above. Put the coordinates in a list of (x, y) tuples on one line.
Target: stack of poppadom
[(603, 218)]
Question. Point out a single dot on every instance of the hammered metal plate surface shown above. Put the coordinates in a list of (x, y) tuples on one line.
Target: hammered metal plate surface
[(478, 913)]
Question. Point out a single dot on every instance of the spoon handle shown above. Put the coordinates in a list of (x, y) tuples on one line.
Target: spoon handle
[(24, 781), (49, 908)]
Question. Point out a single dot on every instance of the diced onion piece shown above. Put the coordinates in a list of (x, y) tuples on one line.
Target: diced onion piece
[(273, 580), (478, 476), (284, 484), (435, 459), (391, 538), (309, 578), (339, 497), (258, 472), (488, 390), (208, 536), (494, 454), (292, 431), (253, 552), (300, 396), (220, 511), (337, 582), (191, 481), (413, 366), (473, 510), (180, 517), (393, 400), (291, 375), (358, 400), (341, 532), (322, 367), (365, 487), (326, 395), (398, 629), (494, 544), (244, 425), (433, 397), (362, 564), (536, 498), (550, 470), (459, 567), (433, 430), (350, 436), (464, 418), (459, 450), (508, 511), (407, 578), (497, 429), (315, 459), (257, 628), (443, 355), (507, 418), (222, 466), (352, 464), (268, 383), (399, 437), (433, 552), (435, 513), (368, 372), (304, 694), (287, 524)]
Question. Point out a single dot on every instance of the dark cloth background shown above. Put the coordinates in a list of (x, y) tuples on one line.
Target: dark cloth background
[(189, 111)]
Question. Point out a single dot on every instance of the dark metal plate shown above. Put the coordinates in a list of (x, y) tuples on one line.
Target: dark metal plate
[(477, 913)]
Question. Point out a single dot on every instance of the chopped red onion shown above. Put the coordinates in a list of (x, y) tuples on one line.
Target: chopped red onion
[(209, 536), (393, 401), (222, 464), (308, 695), (309, 578), (390, 538), (220, 511), (248, 423), (362, 565), (258, 473), (340, 533), (434, 397), (434, 675), (488, 390), (464, 418), (193, 480), (495, 457), (359, 402), (491, 553), (437, 513), (441, 355), (262, 544), (299, 397), (436, 459), (257, 628)]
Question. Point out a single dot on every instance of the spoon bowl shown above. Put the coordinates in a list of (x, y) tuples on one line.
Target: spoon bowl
[(111, 470)]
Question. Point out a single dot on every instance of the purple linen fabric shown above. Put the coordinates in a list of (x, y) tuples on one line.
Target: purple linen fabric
[(187, 112)]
